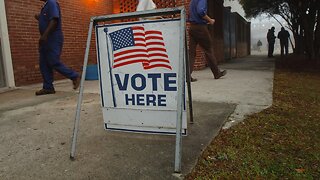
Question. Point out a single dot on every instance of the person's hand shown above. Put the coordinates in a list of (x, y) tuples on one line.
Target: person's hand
[(36, 16), (211, 21), (43, 39)]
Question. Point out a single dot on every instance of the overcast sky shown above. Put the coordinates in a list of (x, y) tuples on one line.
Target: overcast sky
[(235, 6)]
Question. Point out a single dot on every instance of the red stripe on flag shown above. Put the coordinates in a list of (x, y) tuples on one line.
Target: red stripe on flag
[(153, 32), (159, 60), (139, 39), (157, 49), (158, 54), (153, 37), (141, 44), (128, 57), (129, 62), (138, 34), (137, 28), (158, 65), (154, 43), (129, 51)]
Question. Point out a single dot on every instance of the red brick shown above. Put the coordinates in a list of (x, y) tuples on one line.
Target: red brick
[(24, 35)]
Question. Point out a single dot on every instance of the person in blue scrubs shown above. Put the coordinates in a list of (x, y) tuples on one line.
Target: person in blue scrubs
[(199, 34), (50, 47)]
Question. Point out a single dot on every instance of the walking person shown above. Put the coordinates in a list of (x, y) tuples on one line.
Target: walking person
[(271, 41), (284, 35), (259, 44), (50, 47), (199, 34)]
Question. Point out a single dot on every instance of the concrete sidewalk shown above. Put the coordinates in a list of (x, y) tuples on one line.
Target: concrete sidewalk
[(248, 84), (35, 132)]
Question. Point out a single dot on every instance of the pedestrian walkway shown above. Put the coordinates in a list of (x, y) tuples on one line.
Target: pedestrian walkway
[(35, 132), (248, 84)]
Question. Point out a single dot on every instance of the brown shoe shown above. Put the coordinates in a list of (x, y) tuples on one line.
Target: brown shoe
[(222, 73), (76, 83), (193, 79), (45, 92)]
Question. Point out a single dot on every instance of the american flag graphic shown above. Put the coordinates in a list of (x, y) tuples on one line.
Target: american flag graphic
[(136, 45)]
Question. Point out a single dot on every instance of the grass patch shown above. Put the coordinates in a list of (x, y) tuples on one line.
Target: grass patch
[(281, 142)]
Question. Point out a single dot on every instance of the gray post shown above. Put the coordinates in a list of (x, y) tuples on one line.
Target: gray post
[(84, 70), (181, 75)]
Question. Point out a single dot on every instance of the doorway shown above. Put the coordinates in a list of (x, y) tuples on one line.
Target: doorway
[(2, 78)]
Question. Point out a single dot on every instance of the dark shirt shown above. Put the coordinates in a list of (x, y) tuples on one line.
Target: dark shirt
[(271, 37), (283, 35), (197, 9), (49, 11)]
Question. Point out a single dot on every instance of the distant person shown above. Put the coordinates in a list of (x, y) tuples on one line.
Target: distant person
[(259, 44), (271, 40), (284, 35), (199, 34), (50, 47)]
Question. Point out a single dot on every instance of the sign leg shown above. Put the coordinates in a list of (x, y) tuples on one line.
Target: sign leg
[(181, 75), (77, 118), (188, 81)]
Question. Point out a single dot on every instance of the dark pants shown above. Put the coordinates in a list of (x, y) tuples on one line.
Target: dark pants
[(284, 46), (199, 34), (50, 60), (271, 49)]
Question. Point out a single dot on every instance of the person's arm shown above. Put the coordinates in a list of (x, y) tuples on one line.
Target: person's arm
[(209, 20), (36, 16), (51, 27), (202, 11), (53, 15)]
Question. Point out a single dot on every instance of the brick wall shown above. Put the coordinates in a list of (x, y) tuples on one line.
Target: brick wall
[(200, 63), (24, 34)]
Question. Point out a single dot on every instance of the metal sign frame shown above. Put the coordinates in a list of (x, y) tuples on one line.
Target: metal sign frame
[(180, 89)]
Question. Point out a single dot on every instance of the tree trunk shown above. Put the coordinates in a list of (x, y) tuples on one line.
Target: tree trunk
[(308, 26), (317, 37), (298, 38)]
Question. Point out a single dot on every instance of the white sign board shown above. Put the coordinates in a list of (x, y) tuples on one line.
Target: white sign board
[(138, 72)]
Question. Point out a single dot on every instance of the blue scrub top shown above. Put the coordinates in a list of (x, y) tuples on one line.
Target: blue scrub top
[(197, 9), (49, 11)]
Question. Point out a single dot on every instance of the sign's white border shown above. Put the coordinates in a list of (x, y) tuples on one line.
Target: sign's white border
[(159, 121)]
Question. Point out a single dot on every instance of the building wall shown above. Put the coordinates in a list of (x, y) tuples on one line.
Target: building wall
[(215, 10), (237, 35), (242, 36), (24, 34), (227, 32)]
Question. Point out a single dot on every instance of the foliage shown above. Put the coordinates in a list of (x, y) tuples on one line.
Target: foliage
[(302, 17)]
